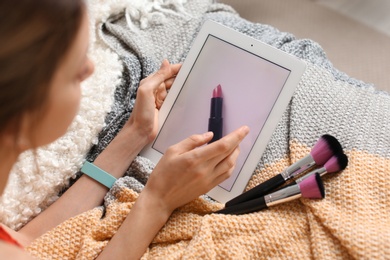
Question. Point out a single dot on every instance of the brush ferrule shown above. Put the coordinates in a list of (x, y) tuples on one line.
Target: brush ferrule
[(321, 171), (283, 195), (298, 167)]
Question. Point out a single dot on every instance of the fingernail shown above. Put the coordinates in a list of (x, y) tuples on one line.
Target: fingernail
[(208, 135), (245, 129), (164, 62)]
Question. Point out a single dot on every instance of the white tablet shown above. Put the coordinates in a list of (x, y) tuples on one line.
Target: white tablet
[(228, 80)]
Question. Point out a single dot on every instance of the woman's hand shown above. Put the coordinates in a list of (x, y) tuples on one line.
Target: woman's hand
[(151, 94), (186, 171), (189, 169)]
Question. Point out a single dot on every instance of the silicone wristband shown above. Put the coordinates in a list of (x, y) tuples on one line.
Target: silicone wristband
[(98, 174)]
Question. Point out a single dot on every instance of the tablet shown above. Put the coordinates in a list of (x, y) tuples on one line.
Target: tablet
[(228, 80)]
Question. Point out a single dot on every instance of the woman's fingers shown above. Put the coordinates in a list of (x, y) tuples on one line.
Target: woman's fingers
[(219, 156), (218, 150), (191, 168), (224, 169), (228, 163), (160, 81), (175, 69), (190, 143), (166, 72), (161, 94), (162, 91), (169, 82)]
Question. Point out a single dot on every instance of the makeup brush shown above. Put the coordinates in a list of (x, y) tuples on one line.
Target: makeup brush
[(336, 163), (323, 149), (311, 188)]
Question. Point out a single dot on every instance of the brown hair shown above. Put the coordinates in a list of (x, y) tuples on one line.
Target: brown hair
[(34, 37)]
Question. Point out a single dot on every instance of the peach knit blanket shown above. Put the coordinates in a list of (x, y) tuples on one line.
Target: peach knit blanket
[(351, 222)]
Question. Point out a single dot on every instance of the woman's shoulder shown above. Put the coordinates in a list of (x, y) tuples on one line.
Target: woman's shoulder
[(9, 251), (10, 247), (10, 236)]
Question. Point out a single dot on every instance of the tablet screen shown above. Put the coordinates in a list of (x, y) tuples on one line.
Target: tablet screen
[(249, 88)]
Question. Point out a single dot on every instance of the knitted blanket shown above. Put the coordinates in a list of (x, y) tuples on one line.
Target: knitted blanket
[(351, 222)]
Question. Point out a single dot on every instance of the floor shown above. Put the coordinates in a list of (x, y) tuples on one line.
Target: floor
[(373, 13), (355, 34)]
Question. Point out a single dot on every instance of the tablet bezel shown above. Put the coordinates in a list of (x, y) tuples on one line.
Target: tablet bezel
[(256, 47)]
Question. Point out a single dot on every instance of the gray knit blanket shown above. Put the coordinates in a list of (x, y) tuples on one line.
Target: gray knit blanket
[(334, 103), (353, 220)]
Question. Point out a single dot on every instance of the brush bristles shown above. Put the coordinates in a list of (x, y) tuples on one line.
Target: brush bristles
[(320, 186), (325, 148), (334, 144), (312, 187), (343, 161), (336, 163)]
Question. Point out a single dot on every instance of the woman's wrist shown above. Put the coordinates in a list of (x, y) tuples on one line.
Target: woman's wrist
[(150, 200), (141, 132), (122, 150), (146, 218), (146, 132), (115, 160)]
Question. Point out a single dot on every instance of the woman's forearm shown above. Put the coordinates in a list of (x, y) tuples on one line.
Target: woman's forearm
[(140, 129), (187, 170), (87, 193), (146, 218)]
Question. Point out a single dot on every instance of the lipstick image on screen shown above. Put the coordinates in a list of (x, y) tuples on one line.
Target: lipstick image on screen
[(215, 120)]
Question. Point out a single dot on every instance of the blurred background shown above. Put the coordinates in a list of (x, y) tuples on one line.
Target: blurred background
[(355, 34)]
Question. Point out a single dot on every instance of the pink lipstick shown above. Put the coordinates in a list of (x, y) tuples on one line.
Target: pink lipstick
[(216, 120)]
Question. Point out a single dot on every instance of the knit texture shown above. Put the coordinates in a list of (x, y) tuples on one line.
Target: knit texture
[(351, 222)]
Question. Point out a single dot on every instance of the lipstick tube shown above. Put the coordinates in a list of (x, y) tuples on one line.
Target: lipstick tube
[(216, 120)]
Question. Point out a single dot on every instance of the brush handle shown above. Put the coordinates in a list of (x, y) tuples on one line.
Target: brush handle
[(245, 207), (285, 186), (258, 191)]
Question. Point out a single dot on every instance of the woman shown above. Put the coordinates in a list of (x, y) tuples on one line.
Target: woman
[(43, 59)]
